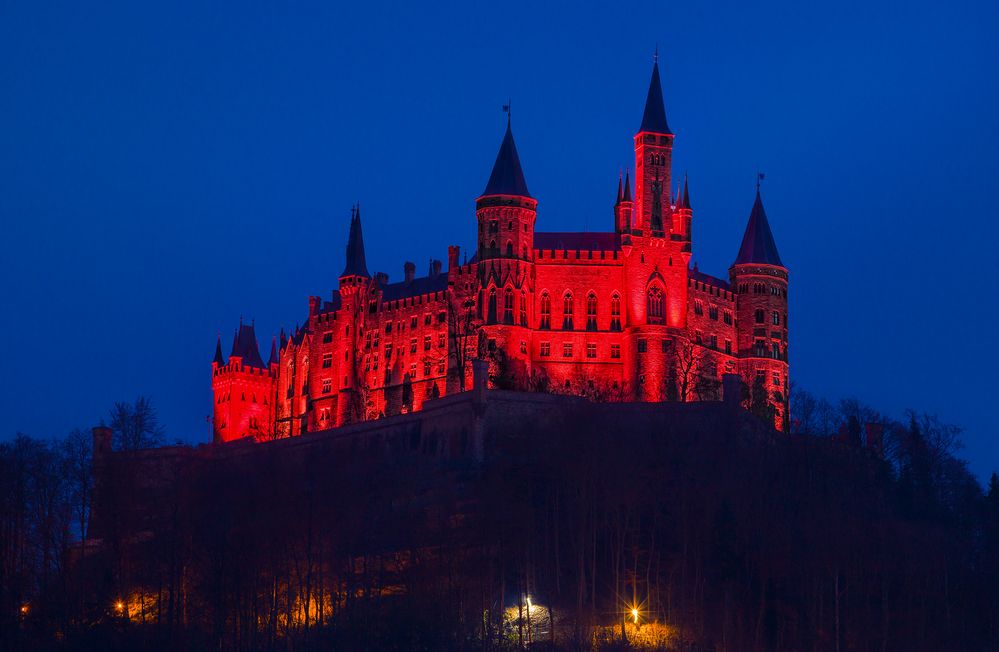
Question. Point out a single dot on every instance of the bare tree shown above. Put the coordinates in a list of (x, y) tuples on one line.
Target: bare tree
[(77, 455), (462, 330), (136, 425)]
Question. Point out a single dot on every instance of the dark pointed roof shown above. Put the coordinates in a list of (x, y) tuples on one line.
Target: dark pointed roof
[(274, 356), (245, 346), (355, 247), (758, 244), (507, 177), (654, 118), (684, 199), (627, 187), (620, 182), (218, 359)]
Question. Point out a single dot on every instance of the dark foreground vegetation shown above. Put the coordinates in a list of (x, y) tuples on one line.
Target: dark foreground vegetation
[(720, 538)]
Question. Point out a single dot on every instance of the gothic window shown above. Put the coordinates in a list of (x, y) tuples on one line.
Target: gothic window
[(567, 311), (775, 349), (698, 308), (523, 308), (714, 341), (492, 248), (727, 318), (441, 340), (655, 305), (615, 312), (546, 311), (591, 312), (388, 350), (760, 349), (509, 249), (426, 342), (508, 306), (494, 227), (759, 316), (775, 317), (426, 367), (713, 313), (491, 312), (523, 252), (414, 321)]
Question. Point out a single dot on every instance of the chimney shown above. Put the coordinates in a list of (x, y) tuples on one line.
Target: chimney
[(453, 251), (381, 278), (409, 271), (314, 303), (435, 268), (102, 440)]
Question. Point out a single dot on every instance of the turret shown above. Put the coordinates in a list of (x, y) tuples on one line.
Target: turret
[(624, 206), (506, 211), (653, 161), (682, 213), (243, 389), (761, 282)]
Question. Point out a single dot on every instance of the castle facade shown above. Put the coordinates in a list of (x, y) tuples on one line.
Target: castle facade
[(615, 316)]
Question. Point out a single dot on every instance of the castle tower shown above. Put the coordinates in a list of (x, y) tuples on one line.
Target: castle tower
[(682, 214), (624, 206), (354, 282), (243, 389), (761, 280), (653, 162), (506, 215)]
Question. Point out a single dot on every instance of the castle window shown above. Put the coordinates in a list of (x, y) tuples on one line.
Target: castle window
[(388, 327), (728, 347), (567, 311), (378, 339), (492, 248), (591, 350), (441, 317), (643, 346), (327, 385), (759, 316), (509, 225), (491, 314), (546, 349), (567, 350), (324, 415), (412, 345), (441, 340), (509, 249), (523, 252), (508, 306), (426, 368), (494, 227), (523, 347), (655, 305), (412, 370), (760, 348), (367, 363), (441, 365), (367, 340), (727, 318), (776, 380), (714, 341), (374, 362), (327, 337), (414, 321), (327, 360), (591, 312), (713, 312), (523, 308), (615, 312), (698, 337), (426, 319), (667, 345), (615, 351), (775, 350), (426, 342), (698, 308), (775, 317), (372, 308), (388, 350), (546, 311)]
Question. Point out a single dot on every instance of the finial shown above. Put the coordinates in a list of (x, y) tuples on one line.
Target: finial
[(655, 56), (508, 109), (759, 177)]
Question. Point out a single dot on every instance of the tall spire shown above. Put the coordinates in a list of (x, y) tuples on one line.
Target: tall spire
[(219, 360), (620, 196), (654, 118), (274, 356), (683, 199), (355, 247), (758, 244), (507, 177), (627, 186)]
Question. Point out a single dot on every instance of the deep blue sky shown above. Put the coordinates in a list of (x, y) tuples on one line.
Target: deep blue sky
[(165, 169)]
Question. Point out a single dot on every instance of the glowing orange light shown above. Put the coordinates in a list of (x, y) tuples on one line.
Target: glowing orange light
[(24, 610), (120, 606), (634, 614)]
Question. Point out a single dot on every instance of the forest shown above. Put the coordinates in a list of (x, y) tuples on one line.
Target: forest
[(592, 535)]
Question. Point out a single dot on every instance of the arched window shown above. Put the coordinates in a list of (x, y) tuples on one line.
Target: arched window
[(615, 312), (491, 311), (523, 252), (591, 312), (655, 305), (546, 311), (523, 308), (492, 248), (509, 249), (508, 306), (567, 311), (759, 316)]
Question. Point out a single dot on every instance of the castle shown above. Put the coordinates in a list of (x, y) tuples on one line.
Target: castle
[(615, 316)]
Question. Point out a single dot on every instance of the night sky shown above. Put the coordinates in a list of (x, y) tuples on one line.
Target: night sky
[(165, 170)]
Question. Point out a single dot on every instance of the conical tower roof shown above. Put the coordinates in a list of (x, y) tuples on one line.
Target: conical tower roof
[(654, 118), (246, 347), (507, 177), (218, 359), (758, 244), (355, 265)]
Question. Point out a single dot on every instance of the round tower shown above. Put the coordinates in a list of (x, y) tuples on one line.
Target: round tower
[(760, 281)]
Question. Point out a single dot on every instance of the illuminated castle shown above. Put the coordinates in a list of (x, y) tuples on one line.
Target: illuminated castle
[(615, 316)]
